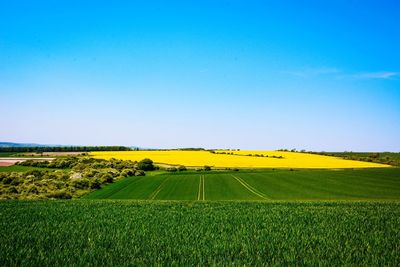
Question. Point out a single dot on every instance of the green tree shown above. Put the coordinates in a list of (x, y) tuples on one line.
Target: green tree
[(146, 165)]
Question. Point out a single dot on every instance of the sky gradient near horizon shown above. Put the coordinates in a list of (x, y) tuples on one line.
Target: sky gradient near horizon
[(314, 75)]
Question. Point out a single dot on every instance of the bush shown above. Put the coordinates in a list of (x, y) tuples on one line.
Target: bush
[(207, 168), (81, 183), (79, 167), (127, 172), (139, 173), (36, 173), (7, 180), (33, 190), (182, 168), (12, 190), (61, 194), (90, 172), (95, 184), (172, 169), (146, 165), (16, 181), (106, 178)]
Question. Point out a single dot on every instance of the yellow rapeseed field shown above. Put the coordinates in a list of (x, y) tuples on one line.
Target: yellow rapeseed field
[(239, 160)]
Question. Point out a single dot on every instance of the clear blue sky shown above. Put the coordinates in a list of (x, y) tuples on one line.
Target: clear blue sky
[(315, 75)]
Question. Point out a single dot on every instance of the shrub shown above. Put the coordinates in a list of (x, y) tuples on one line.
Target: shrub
[(146, 165), (7, 180), (79, 167), (113, 172), (106, 178), (61, 194), (139, 173), (172, 169), (16, 181), (182, 168), (12, 190), (127, 172), (33, 190), (81, 183), (90, 172), (36, 173), (95, 184), (207, 168)]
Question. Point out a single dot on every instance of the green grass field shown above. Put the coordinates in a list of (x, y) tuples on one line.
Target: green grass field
[(362, 184), (148, 233), (7, 154), (243, 218)]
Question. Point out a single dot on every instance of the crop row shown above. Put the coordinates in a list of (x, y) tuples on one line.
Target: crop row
[(122, 233)]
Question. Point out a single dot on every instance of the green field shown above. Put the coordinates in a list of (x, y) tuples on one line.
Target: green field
[(131, 233), (7, 154), (241, 218), (362, 184)]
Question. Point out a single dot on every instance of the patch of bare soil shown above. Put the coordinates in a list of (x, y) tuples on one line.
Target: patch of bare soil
[(4, 162)]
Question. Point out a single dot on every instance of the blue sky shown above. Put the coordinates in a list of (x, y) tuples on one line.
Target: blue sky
[(315, 75)]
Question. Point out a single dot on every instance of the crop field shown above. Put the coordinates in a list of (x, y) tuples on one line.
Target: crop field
[(360, 184), (131, 233), (239, 159)]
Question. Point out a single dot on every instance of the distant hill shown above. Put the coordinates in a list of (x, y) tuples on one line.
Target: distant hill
[(9, 144)]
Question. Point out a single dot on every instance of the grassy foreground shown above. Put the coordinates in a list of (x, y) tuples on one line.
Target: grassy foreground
[(121, 233)]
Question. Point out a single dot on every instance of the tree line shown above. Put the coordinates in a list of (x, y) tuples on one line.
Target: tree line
[(65, 149)]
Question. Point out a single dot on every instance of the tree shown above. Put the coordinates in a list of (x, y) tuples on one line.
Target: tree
[(182, 168), (146, 165)]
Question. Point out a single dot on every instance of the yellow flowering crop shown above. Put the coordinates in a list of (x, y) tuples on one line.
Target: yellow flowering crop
[(239, 160)]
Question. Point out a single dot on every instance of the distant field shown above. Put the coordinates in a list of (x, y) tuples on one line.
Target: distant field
[(7, 154), (376, 184), (239, 159), (390, 158), (134, 233)]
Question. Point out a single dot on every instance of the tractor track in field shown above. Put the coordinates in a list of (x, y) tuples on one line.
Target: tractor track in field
[(201, 194), (158, 189), (203, 188), (250, 188), (115, 191)]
